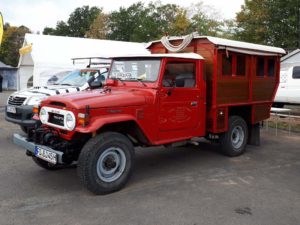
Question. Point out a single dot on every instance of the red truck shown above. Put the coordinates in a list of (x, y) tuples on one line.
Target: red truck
[(215, 88)]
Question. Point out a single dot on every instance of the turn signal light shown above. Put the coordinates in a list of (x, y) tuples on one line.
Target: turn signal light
[(83, 119), (36, 109)]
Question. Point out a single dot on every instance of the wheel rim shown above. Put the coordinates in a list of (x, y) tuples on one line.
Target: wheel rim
[(237, 137), (111, 164)]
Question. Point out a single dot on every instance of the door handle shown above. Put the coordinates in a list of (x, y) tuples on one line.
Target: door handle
[(194, 103)]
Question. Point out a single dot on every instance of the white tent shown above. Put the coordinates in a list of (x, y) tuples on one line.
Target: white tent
[(45, 55)]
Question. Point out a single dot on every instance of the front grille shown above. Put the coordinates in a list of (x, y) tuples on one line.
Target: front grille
[(56, 119), (16, 100)]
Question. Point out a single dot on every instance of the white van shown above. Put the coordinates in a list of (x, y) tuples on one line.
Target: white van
[(288, 92)]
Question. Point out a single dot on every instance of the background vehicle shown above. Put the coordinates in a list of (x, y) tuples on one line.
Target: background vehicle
[(56, 77), (288, 92), (158, 99), (20, 104)]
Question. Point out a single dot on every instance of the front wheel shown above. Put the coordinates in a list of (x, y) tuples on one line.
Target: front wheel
[(105, 163), (234, 141)]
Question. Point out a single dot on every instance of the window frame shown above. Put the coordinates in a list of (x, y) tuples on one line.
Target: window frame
[(266, 67), (234, 66), (175, 60)]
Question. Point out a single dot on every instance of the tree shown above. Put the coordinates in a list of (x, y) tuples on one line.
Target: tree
[(99, 28), (81, 19), (271, 22), (144, 23), (13, 38), (181, 25), (78, 24), (126, 23), (205, 20)]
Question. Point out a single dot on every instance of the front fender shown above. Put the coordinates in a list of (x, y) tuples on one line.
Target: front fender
[(97, 122)]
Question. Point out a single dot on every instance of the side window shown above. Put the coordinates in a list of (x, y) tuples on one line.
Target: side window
[(233, 65), (296, 72), (260, 67), (271, 67), (226, 65), (180, 74), (241, 65)]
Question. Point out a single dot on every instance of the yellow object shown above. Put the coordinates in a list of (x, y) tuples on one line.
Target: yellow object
[(26, 49), (1, 27)]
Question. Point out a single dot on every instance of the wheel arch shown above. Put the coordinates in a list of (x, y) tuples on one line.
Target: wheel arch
[(129, 128)]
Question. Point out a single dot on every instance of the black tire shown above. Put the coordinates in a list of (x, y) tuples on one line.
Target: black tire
[(95, 156), (44, 164), (234, 141), (24, 129)]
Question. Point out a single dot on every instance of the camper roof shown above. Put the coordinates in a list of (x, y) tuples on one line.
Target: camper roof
[(237, 46)]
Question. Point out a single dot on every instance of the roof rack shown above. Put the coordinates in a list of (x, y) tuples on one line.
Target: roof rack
[(91, 62)]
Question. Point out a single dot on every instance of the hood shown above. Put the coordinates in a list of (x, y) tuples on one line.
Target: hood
[(103, 98), (47, 90)]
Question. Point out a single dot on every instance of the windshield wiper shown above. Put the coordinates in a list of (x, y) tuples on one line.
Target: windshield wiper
[(141, 81)]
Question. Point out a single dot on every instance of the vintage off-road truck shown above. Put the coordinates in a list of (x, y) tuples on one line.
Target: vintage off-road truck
[(213, 88)]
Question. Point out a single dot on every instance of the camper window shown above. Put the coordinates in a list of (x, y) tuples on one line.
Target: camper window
[(271, 67), (260, 67), (241, 65), (226, 65), (296, 72)]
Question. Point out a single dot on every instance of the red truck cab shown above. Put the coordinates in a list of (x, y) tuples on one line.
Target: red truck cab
[(157, 99)]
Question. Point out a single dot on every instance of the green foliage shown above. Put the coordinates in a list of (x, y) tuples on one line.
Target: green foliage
[(81, 19), (181, 24), (205, 22), (78, 23), (13, 38), (144, 23), (99, 28), (272, 22)]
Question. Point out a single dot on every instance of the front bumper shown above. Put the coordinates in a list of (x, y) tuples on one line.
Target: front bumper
[(30, 146), (23, 116)]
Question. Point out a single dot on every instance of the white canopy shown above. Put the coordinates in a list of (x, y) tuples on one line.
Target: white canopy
[(51, 54)]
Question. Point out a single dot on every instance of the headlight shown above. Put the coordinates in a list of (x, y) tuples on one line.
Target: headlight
[(70, 121), (35, 100), (43, 115)]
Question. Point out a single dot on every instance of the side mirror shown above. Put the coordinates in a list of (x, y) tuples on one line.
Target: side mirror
[(91, 80), (95, 84)]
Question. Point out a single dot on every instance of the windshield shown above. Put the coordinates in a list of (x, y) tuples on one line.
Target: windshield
[(77, 78), (133, 69)]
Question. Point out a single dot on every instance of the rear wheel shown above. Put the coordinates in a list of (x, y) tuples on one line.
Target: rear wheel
[(234, 141), (105, 163)]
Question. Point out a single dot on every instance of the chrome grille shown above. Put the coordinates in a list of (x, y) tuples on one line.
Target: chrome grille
[(14, 100)]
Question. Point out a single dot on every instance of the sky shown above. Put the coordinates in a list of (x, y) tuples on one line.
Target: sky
[(37, 14)]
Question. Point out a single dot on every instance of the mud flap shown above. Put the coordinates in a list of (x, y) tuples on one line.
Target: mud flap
[(254, 135)]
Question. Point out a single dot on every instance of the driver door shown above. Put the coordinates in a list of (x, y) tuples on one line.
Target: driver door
[(180, 100)]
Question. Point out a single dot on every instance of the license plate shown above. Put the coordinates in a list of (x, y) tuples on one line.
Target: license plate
[(46, 155), (11, 109)]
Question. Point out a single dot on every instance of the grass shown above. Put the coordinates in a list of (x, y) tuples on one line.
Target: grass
[(284, 123)]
